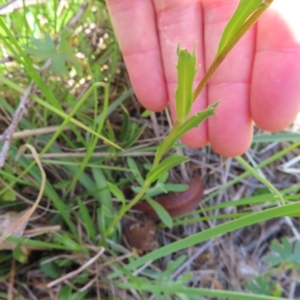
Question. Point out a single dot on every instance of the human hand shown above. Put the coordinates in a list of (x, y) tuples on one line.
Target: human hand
[(258, 81)]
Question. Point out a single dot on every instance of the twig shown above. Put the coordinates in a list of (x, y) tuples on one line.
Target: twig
[(73, 22), (10, 295), (37, 131), (18, 115)]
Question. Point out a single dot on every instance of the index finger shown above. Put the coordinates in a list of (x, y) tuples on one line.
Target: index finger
[(135, 29)]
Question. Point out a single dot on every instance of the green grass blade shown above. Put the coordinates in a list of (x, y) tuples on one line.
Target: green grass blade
[(213, 232), (87, 220), (193, 292)]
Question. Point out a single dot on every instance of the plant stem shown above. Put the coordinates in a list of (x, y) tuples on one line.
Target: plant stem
[(165, 144), (157, 159), (222, 55), (125, 208)]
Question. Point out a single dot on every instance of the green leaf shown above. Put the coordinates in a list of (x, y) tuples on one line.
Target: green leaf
[(162, 178), (262, 286), (175, 187), (87, 220), (135, 171), (161, 212), (116, 192), (64, 239), (125, 125), (184, 278), (210, 233), (195, 120), (186, 71), (64, 46), (58, 66), (65, 292), (81, 278), (172, 266), (192, 122), (46, 49), (161, 188), (134, 134), (184, 296), (145, 113), (19, 254), (278, 137), (284, 253), (241, 14), (164, 166), (79, 295), (9, 196), (110, 131), (106, 209), (50, 269)]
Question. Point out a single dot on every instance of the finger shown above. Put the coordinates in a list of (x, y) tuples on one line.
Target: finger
[(135, 28), (230, 131), (275, 93), (181, 22)]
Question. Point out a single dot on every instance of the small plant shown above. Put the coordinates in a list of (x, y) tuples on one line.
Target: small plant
[(284, 257), (46, 49), (246, 14), (262, 285)]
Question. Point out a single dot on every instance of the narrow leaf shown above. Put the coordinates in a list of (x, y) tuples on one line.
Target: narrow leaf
[(172, 266), (135, 171), (210, 233), (195, 120), (50, 269), (106, 211), (161, 212), (116, 192), (241, 14), (135, 131), (87, 220), (192, 122), (186, 70), (125, 125), (164, 166)]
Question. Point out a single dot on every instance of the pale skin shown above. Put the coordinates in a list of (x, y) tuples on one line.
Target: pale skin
[(258, 82)]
